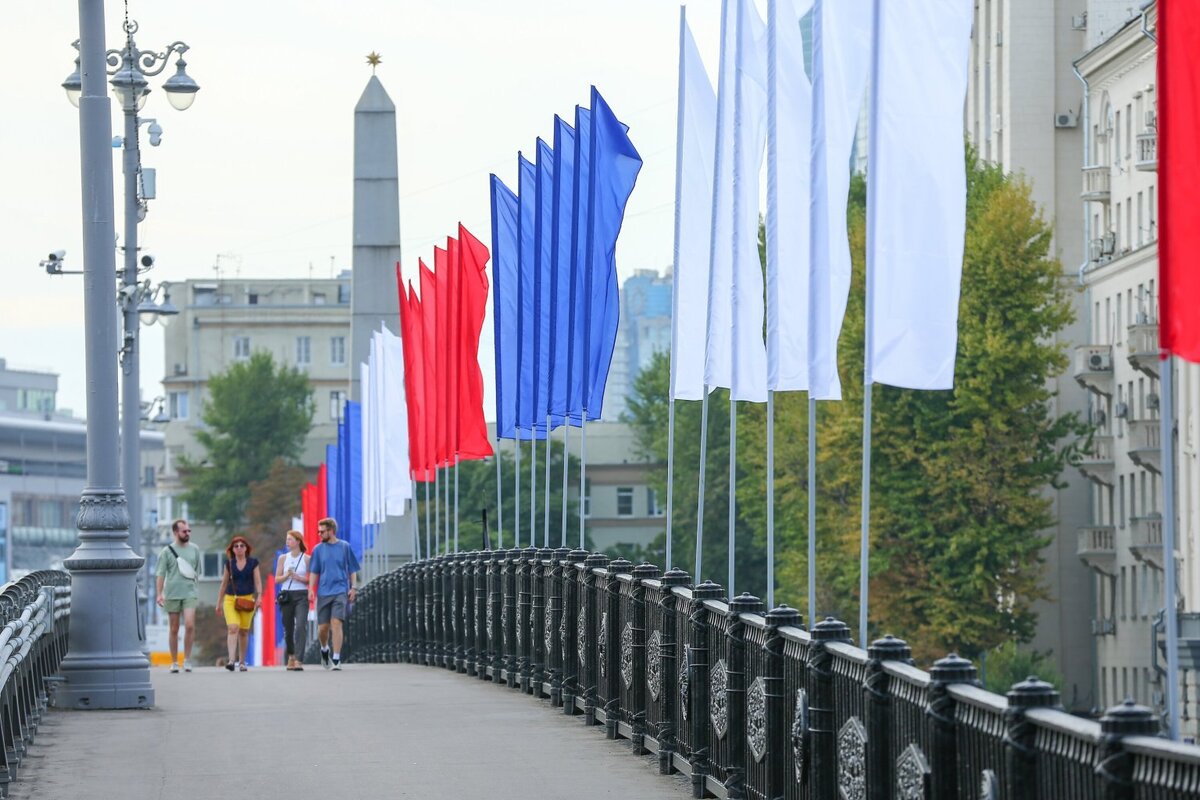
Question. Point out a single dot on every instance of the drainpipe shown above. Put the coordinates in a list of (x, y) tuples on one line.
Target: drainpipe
[(1146, 31), (1087, 149)]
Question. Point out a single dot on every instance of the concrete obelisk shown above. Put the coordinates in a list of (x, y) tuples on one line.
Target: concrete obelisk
[(373, 298)]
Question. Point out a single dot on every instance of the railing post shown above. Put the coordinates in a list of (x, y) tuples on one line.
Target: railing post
[(940, 717), (779, 728), (1114, 764), (877, 707), (609, 641), (1020, 748), (495, 613), (639, 622), (508, 617), (700, 757), (448, 632), (554, 588), (668, 669), (464, 600), (480, 600), (735, 693), (822, 735), (572, 661), (539, 620), (524, 628), (591, 602)]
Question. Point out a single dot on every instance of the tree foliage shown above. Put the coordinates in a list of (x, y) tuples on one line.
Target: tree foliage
[(959, 508), (256, 412)]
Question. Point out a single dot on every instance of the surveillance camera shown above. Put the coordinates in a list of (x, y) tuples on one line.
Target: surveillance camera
[(155, 131), (57, 255), (147, 261)]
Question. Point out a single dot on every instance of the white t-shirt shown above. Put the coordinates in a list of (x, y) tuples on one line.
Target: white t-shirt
[(298, 565)]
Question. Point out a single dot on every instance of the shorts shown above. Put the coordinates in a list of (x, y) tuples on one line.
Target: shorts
[(333, 605), (175, 606), (243, 619)]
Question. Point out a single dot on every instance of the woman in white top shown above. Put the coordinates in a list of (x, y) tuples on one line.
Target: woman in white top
[(291, 584)]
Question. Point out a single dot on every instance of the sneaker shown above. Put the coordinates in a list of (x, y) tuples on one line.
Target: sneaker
[(325, 659), (174, 667), (242, 667), (337, 665), (231, 665), (187, 665)]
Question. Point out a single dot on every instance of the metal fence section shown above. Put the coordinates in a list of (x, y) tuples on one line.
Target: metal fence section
[(745, 701), (35, 614)]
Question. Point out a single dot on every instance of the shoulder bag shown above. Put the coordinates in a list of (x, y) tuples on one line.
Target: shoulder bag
[(186, 570)]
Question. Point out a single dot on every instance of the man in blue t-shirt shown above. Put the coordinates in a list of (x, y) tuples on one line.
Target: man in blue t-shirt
[(332, 573)]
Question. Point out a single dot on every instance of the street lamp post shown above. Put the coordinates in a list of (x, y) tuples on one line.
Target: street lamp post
[(130, 68), (105, 667)]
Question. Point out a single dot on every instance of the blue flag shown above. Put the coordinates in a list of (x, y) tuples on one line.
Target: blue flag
[(332, 480), (505, 299), (561, 334), (543, 260), (526, 306), (615, 164), (350, 528), (578, 280)]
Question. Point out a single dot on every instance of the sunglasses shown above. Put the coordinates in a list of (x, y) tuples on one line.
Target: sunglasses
[(239, 544)]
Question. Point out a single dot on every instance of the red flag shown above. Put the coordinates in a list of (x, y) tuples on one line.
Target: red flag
[(1178, 179), (308, 508), (429, 329), (441, 275), (414, 382), (451, 284), (268, 622), (473, 290)]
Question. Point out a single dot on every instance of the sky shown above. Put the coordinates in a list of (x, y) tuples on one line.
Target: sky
[(254, 180)]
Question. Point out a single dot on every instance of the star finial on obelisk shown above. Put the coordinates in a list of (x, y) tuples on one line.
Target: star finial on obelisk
[(373, 59)]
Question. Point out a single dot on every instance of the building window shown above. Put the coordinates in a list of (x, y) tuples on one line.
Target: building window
[(211, 568), (624, 501), (241, 348), (587, 497), (343, 293), (652, 507), (251, 298), (318, 298), (337, 401), (177, 405), (148, 476), (303, 350), (337, 350), (40, 400)]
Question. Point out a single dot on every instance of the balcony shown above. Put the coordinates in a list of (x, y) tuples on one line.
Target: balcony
[(1145, 539), (1147, 151), (1097, 549), (1104, 626), (1145, 444), (1096, 464), (1094, 368), (1097, 184), (1143, 347)]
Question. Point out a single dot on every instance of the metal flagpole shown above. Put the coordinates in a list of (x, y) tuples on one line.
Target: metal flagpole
[(582, 475), (446, 515), (517, 495), (700, 493), (456, 465), (437, 510), (770, 499), (670, 478), (732, 557), (533, 490), (1167, 443), (499, 494), (812, 512), (429, 551), (546, 531), (566, 469), (864, 545), (416, 529)]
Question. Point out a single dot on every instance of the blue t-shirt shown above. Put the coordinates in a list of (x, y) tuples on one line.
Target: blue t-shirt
[(241, 580), (333, 563)]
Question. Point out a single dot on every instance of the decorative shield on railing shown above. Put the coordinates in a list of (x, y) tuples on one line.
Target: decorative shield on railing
[(627, 654), (654, 664), (581, 632), (547, 629), (912, 774), (852, 760), (800, 734), (756, 718), (989, 786), (718, 703), (602, 645), (684, 696)]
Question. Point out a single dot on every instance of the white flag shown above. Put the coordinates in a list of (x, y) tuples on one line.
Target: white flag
[(917, 184), (695, 135), (394, 409), (736, 355)]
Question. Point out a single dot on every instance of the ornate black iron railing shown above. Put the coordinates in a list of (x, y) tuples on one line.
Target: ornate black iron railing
[(746, 701), (34, 615)]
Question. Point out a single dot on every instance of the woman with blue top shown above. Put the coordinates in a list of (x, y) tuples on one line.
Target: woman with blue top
[(239, 597)]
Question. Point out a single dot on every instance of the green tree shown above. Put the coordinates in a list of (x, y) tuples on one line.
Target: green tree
[(256, 412)]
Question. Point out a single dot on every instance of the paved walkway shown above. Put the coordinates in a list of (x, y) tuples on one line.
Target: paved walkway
[(388, 730)]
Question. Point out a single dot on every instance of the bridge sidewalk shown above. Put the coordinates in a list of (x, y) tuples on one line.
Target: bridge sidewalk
[(368, 731)]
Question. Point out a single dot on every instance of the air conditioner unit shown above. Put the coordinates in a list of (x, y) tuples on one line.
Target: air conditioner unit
[(1100, 362), (1079, 22), (1109, 243), (1121, 410), (1099, 418), (1066, 119), (1152, 401), (1096, 249), (180, 369)]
